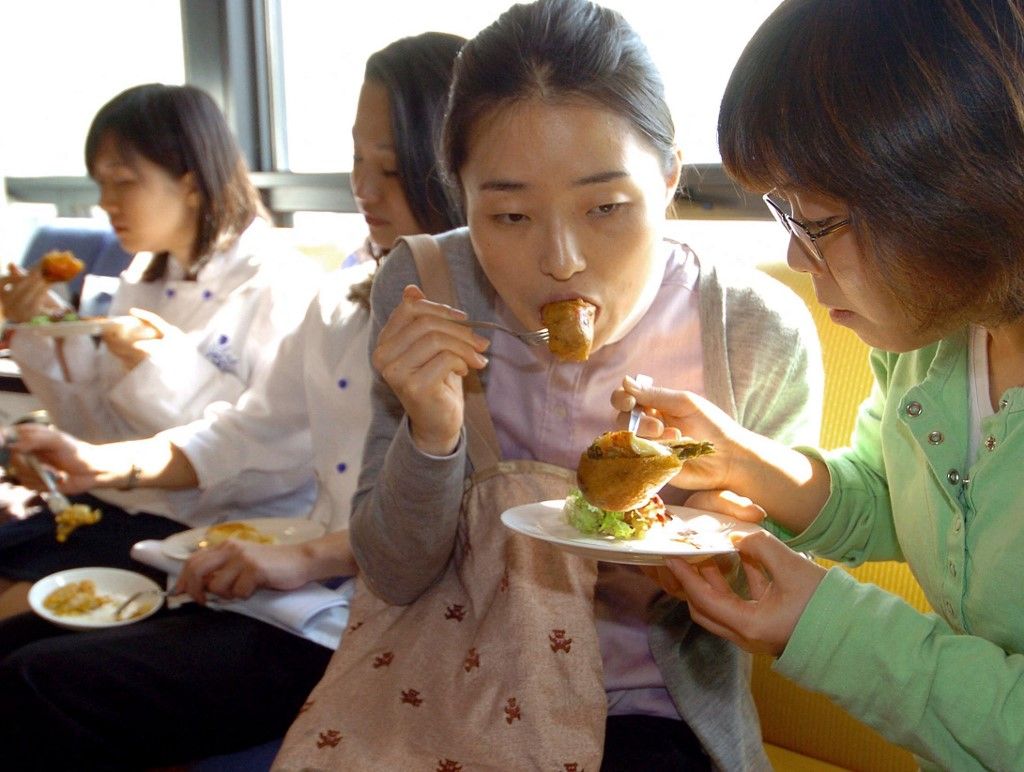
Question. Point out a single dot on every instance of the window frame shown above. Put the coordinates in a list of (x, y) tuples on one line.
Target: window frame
[(232, 50)]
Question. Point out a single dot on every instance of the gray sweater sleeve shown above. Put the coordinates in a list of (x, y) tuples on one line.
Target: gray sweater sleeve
[(762, 357), (406, 507)]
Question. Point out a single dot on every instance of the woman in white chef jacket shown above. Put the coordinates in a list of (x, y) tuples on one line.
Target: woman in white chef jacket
[(199, 316)]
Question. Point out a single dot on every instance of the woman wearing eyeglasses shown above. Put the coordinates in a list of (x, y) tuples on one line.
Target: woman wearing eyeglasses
[(890, 138)]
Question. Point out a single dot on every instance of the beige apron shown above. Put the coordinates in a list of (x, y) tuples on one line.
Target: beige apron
[(496, 666)]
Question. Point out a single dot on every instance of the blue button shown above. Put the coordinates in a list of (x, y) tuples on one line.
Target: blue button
[(170, 293), (207, 294), (222, 339), (343, 383), (342, 466)]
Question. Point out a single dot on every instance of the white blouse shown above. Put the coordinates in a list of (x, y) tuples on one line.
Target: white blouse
[(311, 413)]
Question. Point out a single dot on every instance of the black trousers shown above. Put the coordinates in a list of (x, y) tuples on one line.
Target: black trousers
[(29, 549), (180, 686), (651, 744)]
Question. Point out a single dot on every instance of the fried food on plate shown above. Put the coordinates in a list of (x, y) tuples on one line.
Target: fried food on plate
[(60, 266), (570, 325), (619, 476), (75, 599), (221, 532)]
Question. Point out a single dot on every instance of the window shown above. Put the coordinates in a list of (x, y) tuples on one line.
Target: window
[(70, 57), (63, 59), (325, 46)]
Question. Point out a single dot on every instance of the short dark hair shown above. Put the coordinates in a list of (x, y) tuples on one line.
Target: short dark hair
[(181, 129), (416, 72), (559, 50), (911, 112)]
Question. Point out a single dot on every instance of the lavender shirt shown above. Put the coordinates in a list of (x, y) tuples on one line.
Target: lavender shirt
[(548, 410)]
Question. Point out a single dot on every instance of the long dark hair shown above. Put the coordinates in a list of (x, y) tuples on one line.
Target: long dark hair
[(559, 50), (912, 114), (181, 129), (416, 72)]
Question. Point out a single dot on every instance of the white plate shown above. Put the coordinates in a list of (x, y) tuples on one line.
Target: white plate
[(286, 530), (694, 534), (115, 583), (64, 329)]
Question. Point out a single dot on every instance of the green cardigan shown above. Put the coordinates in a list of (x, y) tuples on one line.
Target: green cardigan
[(948, 686)]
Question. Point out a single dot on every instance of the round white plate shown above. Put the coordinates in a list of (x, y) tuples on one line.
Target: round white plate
[(64, 329), (694, 534), (286, 530), (116, 583)]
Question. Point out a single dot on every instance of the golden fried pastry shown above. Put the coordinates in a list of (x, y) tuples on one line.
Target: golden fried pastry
[(620, 471), (60, 266), (570, 325), (221, 532)]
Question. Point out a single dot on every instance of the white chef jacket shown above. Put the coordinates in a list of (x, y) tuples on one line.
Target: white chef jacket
[(232, 319), (311, 412)]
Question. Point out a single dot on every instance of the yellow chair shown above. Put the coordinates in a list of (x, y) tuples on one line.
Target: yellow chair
[(805, 731)]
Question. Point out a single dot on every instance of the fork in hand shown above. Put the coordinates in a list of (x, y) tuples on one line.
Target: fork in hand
[(533, 338), (56, 501)]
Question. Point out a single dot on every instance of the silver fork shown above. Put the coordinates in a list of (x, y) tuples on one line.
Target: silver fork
[(56, 501), (637, 412), (533, 338)]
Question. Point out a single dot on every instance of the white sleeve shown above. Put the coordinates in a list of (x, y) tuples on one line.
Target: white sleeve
[(79, 406), (267, 430)]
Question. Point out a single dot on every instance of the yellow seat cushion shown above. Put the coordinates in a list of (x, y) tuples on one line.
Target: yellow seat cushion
[(787, 761)]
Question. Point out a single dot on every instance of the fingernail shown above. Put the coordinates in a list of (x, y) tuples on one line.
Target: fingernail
[(736, 498)]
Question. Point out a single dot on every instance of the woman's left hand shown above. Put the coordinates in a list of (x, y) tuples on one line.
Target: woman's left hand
[(236, 569), (781, 584), (132, 338)]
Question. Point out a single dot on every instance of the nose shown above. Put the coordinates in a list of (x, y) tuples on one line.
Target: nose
[(106, 202), (798, 259), (365, 185), (562, 256)]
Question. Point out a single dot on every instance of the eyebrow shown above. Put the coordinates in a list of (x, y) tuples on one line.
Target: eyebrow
[(592, 179)]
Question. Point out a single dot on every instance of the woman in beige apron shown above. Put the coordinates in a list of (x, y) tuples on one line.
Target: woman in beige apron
[(470, 647)]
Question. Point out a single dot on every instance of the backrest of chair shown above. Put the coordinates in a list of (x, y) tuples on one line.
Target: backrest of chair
[(844, 355), (792, 717)]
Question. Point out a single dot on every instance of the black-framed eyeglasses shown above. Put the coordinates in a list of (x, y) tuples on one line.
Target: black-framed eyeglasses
[(807, 238)]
